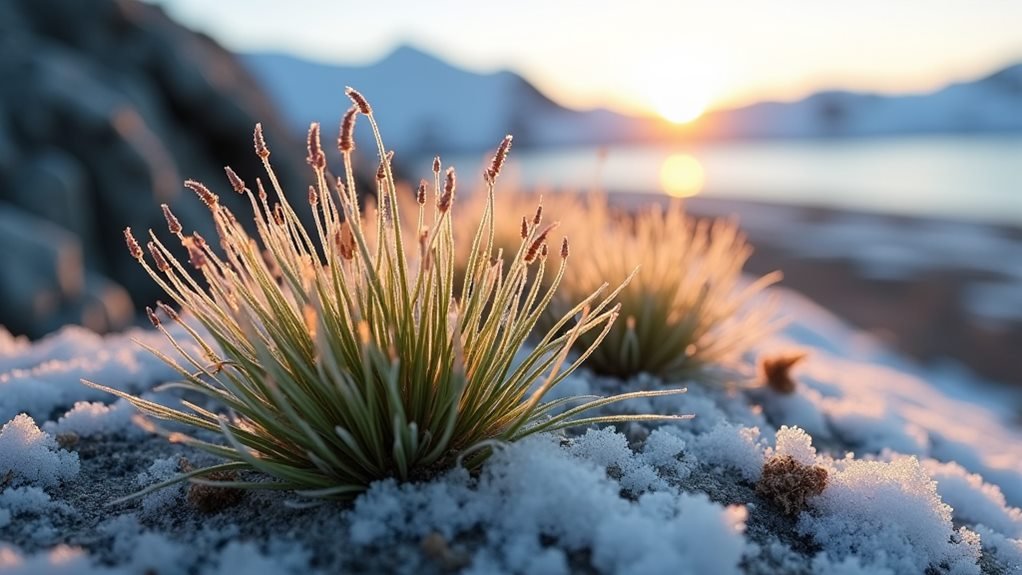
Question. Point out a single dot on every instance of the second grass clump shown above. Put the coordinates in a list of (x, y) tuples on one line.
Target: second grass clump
[(341, 360)]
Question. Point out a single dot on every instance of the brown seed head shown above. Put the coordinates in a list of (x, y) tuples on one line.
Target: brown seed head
[(381, 172), (236, 183), (498, 158), (153, 319), (133, 247), (346, 138), (420, 194), (345, 241), (359, 100), (775, 370), (789, 483), (543, 251), (260, 143), (200, 242), (564, 248), (313, 196), (436, 165), (172, 223), (209, 198), (524, 232), (537, 243), (195, 255), (536, 219), (262, 190), (447, 198), (316, 157), (278, 214), (168, 310), (161, 262)]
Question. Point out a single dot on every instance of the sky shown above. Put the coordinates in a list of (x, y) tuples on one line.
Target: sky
[(675, 58)]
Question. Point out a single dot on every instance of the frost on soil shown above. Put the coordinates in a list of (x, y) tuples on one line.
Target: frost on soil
[(917, 481)]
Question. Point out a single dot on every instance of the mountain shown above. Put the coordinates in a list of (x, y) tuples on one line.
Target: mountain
[(424, 103), (427, 104), (990, 104)]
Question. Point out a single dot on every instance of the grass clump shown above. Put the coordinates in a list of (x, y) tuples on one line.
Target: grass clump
[(340, 359), (687, 314)]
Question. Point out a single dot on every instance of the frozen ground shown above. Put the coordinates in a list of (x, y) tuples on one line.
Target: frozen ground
[(924, 475)]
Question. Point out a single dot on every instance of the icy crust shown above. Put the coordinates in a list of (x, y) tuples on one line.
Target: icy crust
[(40, 378), (921, 478)]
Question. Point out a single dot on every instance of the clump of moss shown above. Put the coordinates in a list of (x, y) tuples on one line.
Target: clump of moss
[(788, 483)]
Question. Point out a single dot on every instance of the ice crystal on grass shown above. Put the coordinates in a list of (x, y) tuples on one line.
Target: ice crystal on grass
[(345, 361)]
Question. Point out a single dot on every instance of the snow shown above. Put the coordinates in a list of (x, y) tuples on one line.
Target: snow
[(30, 456), (923, 473)]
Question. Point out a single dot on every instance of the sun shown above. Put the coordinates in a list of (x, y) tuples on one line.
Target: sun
[(679, 91), (679, 105)]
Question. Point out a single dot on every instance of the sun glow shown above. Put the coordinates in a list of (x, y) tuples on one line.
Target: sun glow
[(682, 176), (681, 90)]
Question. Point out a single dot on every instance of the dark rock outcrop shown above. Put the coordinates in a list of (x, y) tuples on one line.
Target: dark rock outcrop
[(105, 106)]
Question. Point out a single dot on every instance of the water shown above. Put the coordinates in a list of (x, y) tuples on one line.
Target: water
[(961, 177)]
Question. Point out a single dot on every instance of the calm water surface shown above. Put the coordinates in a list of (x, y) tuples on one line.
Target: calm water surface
[(971, 177)]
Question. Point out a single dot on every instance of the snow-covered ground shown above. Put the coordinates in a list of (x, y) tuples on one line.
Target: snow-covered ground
[(924, 475)]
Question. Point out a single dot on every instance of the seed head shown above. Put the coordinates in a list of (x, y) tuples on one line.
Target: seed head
[(153, 319), (316, 158), (260, 143), (543, 251), (172, 224), (161, 262), (313, 196), (133, 247), (278, 214), (346, 138), (525, 228), (262, 190), (536, 219), (345, 241), (436, 165), (209, 198), (381, 172), (359, 100), (447, 198), (168, 310), (537, 243), (498, 158), (200, 242), (564, 248), (236, 183), (195, 254), (420, 194)]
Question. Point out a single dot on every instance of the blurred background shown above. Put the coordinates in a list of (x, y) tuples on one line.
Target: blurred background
[(872, 150)]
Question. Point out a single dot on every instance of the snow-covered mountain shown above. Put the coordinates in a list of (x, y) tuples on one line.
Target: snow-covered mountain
[(989, 104), (426, 104), (432, 105)]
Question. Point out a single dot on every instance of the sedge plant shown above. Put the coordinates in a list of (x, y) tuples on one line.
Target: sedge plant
[(688, 314), (337, 358)]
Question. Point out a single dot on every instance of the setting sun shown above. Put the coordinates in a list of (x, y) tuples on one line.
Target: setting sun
[(679, 106), (682, 176), (680, 92)]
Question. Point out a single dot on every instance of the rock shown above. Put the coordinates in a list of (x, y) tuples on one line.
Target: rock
[(107, 105)]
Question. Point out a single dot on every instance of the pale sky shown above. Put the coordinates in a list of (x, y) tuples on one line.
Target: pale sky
[(641, 55)]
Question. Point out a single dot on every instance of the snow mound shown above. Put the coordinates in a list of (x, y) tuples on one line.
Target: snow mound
[(530, 493), (30, 455), (887, 514)]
